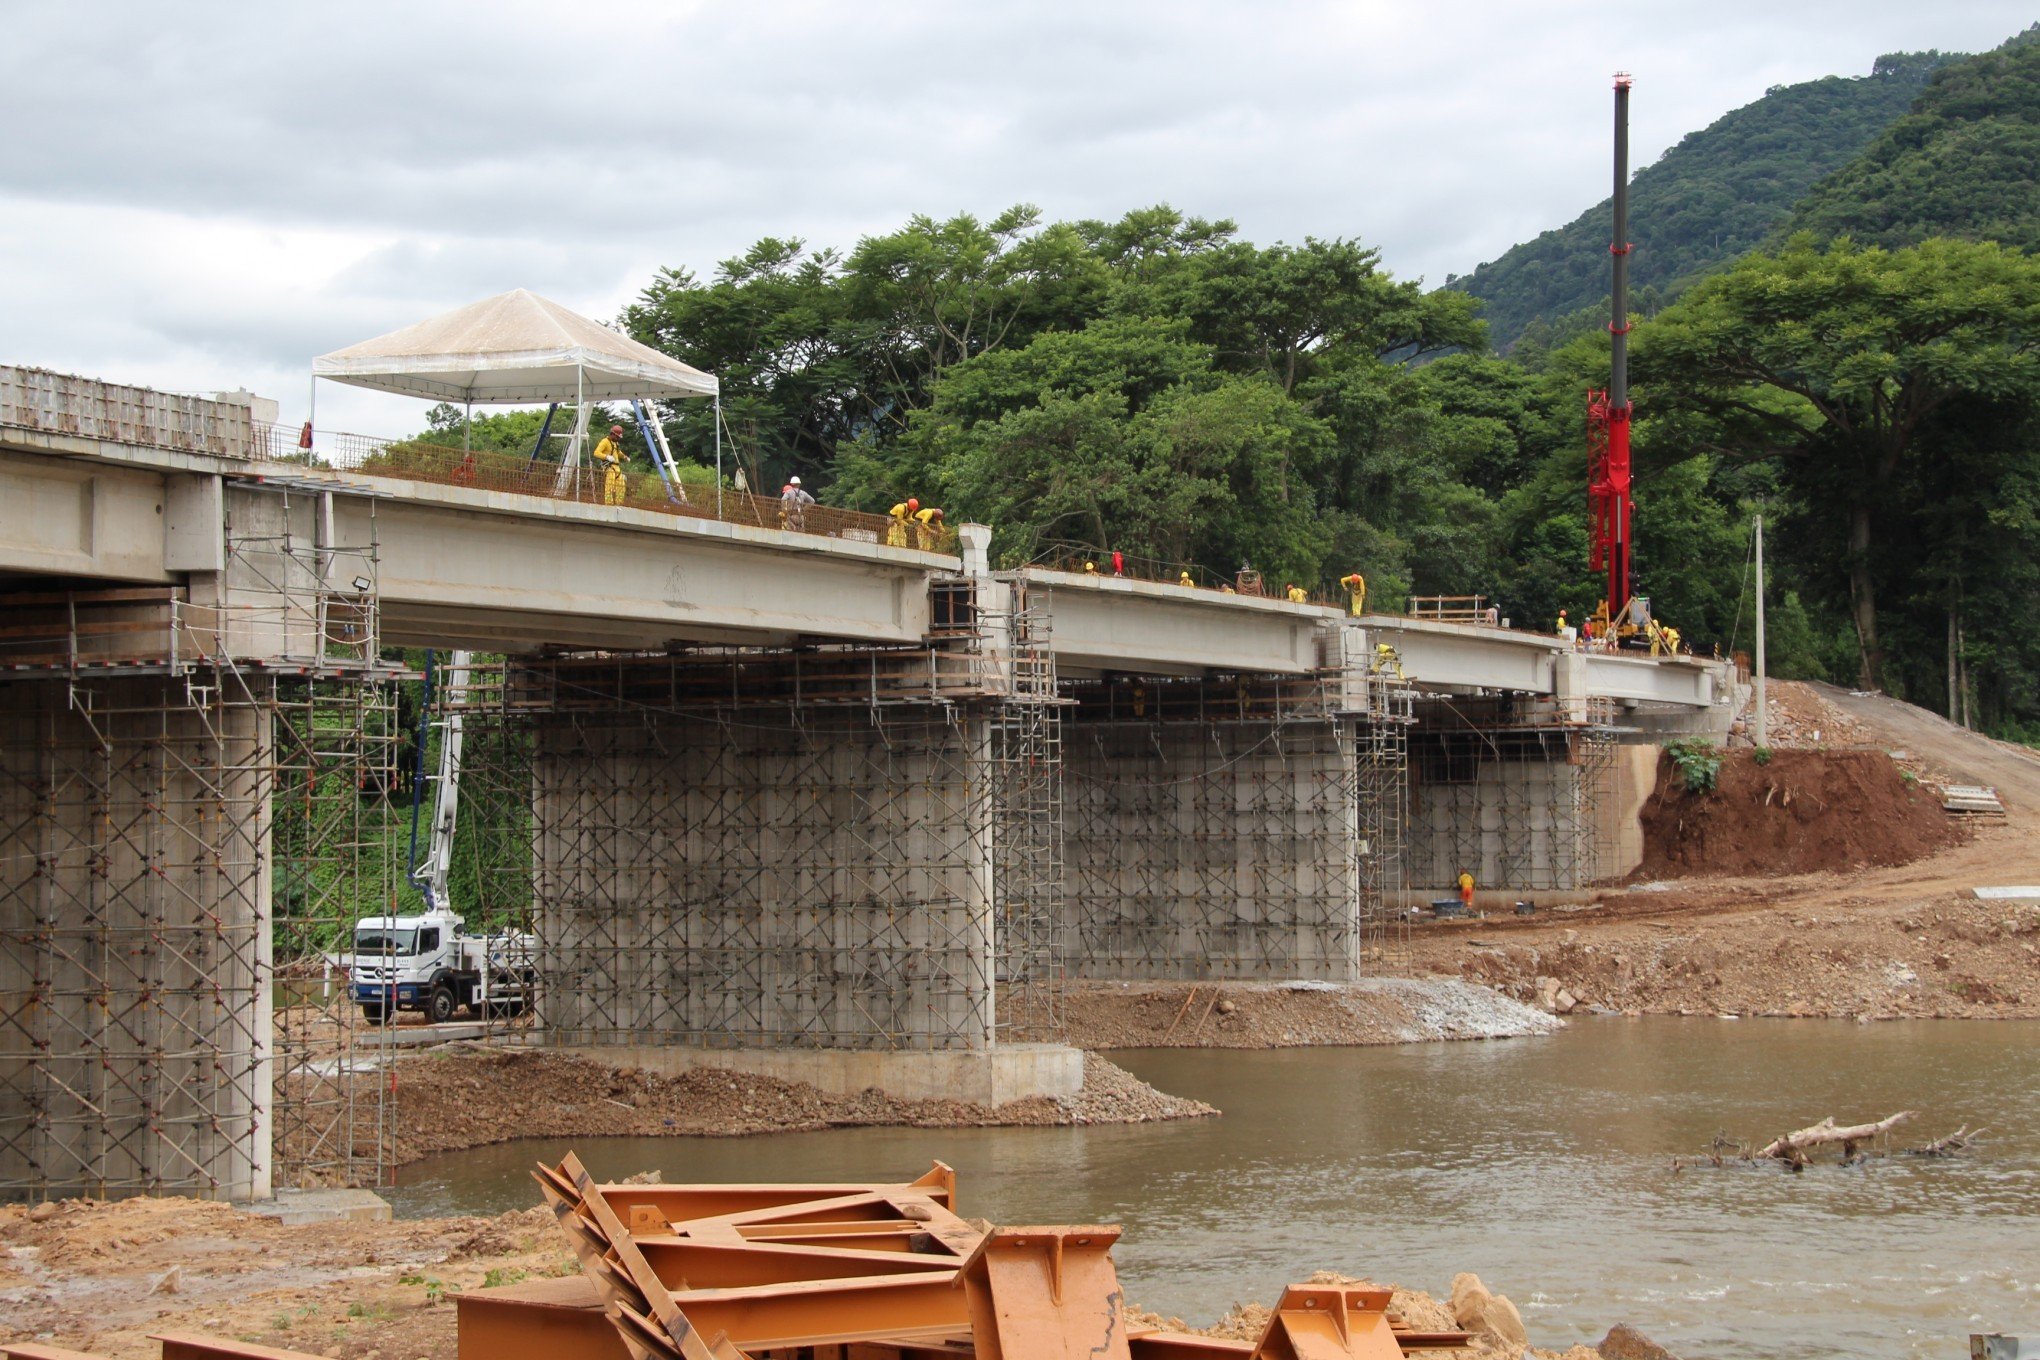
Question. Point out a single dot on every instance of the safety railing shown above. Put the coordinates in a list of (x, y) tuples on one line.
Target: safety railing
[(1451, 608), (1084, 560), (516, 473)]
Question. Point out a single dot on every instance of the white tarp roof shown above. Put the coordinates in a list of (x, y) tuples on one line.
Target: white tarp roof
[(514, 347)]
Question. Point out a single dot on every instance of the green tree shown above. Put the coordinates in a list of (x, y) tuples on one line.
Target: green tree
[(1845, 365)]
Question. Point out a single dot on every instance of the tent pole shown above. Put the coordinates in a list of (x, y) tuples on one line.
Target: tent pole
[(312, 410), (467, 424), (716, 406)]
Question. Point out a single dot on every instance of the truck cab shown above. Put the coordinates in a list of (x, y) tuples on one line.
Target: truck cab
[(431, 963)]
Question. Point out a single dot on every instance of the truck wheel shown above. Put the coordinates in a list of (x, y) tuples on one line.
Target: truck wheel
[(372, 1012), (440, 1005)]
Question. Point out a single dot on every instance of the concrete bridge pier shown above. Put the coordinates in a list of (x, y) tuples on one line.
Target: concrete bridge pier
[(135, 1015), (1215, 830), (821, 888)]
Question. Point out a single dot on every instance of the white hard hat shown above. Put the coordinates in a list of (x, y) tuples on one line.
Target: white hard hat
[(795, 482)]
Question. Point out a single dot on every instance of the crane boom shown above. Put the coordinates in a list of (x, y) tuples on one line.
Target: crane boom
[(1610, 513)]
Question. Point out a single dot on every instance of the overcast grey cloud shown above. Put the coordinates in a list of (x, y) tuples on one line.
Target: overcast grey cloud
[(198, 196)]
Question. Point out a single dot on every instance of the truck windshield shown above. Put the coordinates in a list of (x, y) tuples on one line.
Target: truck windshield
[(380, 941)]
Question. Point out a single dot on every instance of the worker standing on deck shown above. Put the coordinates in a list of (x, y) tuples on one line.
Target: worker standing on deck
[(901, 519), (793, 503), (1297, 594), (928, 528), (1466, 890), (1185, 579), (1356, 590), (609, 453)]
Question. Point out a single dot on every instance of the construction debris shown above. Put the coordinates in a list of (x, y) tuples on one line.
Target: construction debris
[(1973, 800)]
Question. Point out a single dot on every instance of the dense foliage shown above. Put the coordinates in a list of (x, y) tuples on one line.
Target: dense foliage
[(1716, 194), (1961, 163)]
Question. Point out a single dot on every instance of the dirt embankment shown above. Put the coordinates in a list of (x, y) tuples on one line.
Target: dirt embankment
[(101, 1277), (1855, 900), (1796, 812), (463, 1097)]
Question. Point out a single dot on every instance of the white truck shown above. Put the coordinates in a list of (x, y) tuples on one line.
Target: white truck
[(430, 962)]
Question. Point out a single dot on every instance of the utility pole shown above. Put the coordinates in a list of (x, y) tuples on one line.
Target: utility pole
[(1762, 724)]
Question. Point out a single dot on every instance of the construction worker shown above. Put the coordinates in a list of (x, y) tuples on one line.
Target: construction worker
[(1185, 579), (1356, 590), (1561, 626), (794, 500), (1090, 568), (928, 528), (1387, 660), (901, 519), (1466, 890), (609, 453), (1297, 594), (1118, 563)]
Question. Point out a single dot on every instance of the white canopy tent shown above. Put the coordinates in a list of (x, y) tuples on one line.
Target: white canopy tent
[(517, 348)]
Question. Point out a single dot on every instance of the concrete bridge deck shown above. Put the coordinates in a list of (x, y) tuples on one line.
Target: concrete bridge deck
[(498, 571)]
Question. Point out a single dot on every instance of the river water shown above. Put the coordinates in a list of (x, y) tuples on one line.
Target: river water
[(1544, 1165)]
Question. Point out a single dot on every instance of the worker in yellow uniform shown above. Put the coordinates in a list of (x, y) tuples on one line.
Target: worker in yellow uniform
[(1185, 579), (1356, 590), (1090, 568), (1297, 594), (900, 518), (609, 453), (928, 528), (1466, 889)]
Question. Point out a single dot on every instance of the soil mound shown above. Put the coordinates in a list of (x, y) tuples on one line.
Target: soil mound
[(1804, 812)]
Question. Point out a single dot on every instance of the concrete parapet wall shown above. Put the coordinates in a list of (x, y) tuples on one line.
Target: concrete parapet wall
[(985, 1076), (1211, 850)]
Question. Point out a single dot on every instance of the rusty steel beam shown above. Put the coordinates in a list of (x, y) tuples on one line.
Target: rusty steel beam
[(1329, 1322), (1046, 1294), (200, 1346), (679, 1202)]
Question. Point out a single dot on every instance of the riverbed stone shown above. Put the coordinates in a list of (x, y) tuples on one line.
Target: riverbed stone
[(1479, 1310), (1624, 1342)]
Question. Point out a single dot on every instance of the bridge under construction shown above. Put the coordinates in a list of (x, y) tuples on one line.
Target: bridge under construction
[(784, 797)]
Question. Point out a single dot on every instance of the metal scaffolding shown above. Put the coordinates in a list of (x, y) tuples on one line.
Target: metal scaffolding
[(1382, 791), (1512, 796), (830, 847), (1232, 828), (171, 1023)]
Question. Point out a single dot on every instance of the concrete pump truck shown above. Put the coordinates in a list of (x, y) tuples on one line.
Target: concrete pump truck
[(431, 962)]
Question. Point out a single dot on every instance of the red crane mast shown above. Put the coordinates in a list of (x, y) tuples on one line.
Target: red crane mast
[(1610, 514)]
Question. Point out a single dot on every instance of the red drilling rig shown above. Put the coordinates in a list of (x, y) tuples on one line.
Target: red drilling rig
[(1610, 513)]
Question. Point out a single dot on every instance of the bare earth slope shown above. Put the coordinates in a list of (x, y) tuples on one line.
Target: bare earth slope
[(1871, 942)]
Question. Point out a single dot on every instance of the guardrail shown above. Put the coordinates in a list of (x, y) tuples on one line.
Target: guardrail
[(489, 470), (1084, 560)]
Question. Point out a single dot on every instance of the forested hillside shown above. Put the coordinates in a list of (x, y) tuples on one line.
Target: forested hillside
[(1157, 386), (1961, 163), (1716, 194)]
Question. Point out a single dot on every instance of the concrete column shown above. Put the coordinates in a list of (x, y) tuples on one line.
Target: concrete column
[(1518, 819), (1211, 850), (134, 922), (766, 877)]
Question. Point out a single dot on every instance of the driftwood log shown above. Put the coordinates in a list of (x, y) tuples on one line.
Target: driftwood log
[(1948, 1146), (1794, 1146)]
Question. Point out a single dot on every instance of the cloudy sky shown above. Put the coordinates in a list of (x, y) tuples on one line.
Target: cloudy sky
[(197, 196)]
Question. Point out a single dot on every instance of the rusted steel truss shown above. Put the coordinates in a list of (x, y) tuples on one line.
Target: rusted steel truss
[(838, 1272)]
